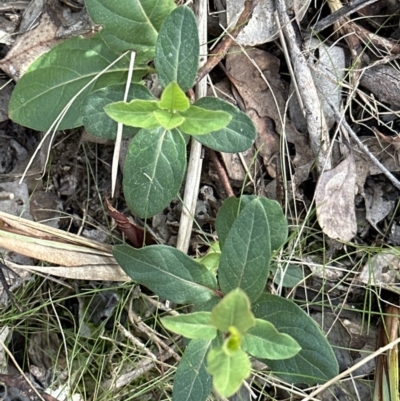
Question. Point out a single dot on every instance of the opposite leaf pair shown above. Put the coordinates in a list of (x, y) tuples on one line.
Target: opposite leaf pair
[(173, 110), (229, 363)]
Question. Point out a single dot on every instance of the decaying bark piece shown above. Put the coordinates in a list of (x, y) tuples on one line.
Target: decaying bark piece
[(383, 81)]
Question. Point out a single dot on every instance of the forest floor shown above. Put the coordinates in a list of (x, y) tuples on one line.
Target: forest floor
[(84, 335)]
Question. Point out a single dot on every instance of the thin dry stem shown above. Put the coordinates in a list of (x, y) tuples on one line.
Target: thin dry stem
[(317, 129)]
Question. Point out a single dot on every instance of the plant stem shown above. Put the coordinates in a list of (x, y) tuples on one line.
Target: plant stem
[(222, 175)]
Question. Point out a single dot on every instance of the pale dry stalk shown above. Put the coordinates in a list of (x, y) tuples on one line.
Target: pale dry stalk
[(316, 124)]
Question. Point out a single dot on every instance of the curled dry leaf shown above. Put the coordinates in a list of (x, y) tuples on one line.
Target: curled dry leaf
[(334, 199), (136, 235)]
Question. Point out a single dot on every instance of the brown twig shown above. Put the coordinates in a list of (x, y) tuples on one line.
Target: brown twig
[(221, 173), (343, 12), (215, 56)]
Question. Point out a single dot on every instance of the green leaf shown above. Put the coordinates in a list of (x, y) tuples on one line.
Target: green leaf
[(234, 339), (207, 306), (177, 49), (232, 207), (167, 119), (211, 259), (153, 172), (228, 213), (200, 121), (57, 76), (94, 118), (130, 24), (278, 226), (233, 310), (192, 381), (137, 113), (264, 341), (228, 370), (237, 136), (316, 362), (174, 98), (287, 275), (247, 252), (167, 272), (191, 325)]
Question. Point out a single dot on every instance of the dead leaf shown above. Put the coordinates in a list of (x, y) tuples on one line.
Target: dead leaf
[(382, 81), (327, 66), (334, 199), (377, 204), (31, 45), (382, 270), (382, 152), (234, 165), (262, 27), (256, 78), (17, 387), (77, 257)]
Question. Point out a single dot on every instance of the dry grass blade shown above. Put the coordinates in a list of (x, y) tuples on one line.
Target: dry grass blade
[(77, 257), (387, 365)]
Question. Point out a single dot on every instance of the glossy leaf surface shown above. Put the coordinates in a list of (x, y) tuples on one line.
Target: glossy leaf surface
[(167, 119), (228, 370), (137, 113), (264, 341), (287, 275), (232, 207), (228, 213), (233, 310), (173, 98), (200, 121), (191, 325), (57, 76)]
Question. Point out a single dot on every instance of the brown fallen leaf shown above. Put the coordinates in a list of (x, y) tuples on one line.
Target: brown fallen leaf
[(334, 199), (16, 387), (30, 45)]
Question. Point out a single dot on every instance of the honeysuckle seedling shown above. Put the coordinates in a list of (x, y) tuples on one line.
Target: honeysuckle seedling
[(92, 72), (243, 334), (246, 322), (173, 110), (157, 154)]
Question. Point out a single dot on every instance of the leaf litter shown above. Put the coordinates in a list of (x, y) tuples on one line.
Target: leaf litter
[(334, 200), (260, 82)]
